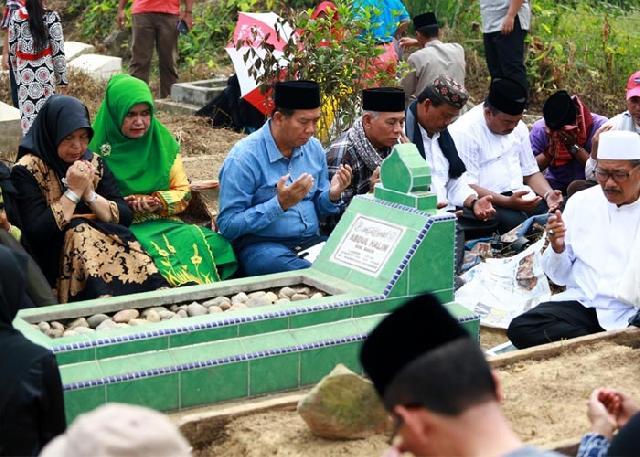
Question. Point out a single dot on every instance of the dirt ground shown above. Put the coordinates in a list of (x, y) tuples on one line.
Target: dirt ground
[(544, 400)]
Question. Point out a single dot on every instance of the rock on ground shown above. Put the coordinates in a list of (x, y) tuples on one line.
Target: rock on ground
[(343, 405)]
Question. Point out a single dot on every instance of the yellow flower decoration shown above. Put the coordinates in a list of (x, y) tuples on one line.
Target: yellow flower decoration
[(170, 247), (161, 251), (196, 259)]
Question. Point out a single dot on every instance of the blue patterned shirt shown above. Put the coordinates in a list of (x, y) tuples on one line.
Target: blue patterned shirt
[(593, 445), (248, 196)]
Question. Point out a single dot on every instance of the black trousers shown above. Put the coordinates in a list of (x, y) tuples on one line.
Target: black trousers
[(505, 53), (504, 220), (553, 321)]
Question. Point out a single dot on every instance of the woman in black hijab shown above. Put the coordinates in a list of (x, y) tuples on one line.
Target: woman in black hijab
[(72, 214), (31, 398)]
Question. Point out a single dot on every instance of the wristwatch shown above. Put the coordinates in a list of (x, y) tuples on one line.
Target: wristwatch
[(573, 150)]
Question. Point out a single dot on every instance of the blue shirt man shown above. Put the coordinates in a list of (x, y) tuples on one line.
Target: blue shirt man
[(274, 185), (392, 15)]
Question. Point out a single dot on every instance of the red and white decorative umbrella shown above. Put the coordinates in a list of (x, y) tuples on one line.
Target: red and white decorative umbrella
[(251, 30)]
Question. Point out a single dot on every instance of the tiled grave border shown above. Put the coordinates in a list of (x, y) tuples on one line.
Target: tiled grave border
[(432, 219), (213, 362), (331, 342)]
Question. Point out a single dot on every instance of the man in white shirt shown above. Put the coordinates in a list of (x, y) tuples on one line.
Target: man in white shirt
[(504, 27), (434, 58), (494, 145), (426, 126), (589, 251)]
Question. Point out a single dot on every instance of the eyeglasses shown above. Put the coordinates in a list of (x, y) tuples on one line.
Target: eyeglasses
[(617, 176)]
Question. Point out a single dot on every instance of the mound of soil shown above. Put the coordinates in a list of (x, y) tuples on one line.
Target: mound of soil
[(543, 399)]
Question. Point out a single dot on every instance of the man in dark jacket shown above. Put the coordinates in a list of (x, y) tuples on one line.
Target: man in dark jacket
[(31, 398)]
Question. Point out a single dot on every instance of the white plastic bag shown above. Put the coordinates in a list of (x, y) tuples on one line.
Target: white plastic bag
[(500, 289)]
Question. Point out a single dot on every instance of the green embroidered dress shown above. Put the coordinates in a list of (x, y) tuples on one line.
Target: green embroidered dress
[(184, 253)]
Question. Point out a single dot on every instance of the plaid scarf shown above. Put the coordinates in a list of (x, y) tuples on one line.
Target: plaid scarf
[(363, 147)]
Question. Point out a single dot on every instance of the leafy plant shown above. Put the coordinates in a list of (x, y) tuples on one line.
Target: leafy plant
[(338, 52)]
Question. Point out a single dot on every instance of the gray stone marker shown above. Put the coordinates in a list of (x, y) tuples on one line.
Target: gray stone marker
[(11, 133), (73, 49), (198, 92), (97, 66)]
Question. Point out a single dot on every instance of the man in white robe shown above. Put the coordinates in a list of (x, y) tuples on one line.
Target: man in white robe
[(590, 251), (494, 145)]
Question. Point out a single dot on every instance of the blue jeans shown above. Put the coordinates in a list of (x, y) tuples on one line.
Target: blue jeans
[(258, 257)]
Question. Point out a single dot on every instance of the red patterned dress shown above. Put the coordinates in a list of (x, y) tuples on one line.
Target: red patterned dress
[(36, 73)]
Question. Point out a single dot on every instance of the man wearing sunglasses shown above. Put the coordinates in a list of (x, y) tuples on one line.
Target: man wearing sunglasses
[(590, 251), (434, 380)]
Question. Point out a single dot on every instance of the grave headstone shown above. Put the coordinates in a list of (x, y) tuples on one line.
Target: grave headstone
[(11, 131), (97, 66), (73, 49)]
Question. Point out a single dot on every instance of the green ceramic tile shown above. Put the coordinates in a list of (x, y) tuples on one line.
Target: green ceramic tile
[(444, 295), (159, 392), (209, 351), (212, 385), (367, 323), (317, 363), (431, 268), (320, 317), (84, 371), (263, 326), (378, 307), (274, 374), (401, 287), (77, 355), (266, 341), (134, 363), (82, 401), (132, 347), (203, 336), (334, 330)]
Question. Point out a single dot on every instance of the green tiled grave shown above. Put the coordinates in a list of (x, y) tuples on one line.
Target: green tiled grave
[(384, 251)]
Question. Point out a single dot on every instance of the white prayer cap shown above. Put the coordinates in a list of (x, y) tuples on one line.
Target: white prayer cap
[(119, 430), (619, 145)]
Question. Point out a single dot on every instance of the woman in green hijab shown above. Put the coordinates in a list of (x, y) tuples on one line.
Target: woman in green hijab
[(145, 161)]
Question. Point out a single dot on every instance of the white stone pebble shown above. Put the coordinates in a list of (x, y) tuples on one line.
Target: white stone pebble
[(182, 313), (164, 315), (44, 326), (125, 315), (239, 298), (286, 292), (196, 309), (106, 325), (79, 322), (96, 320), (217, 301), (152, 316)]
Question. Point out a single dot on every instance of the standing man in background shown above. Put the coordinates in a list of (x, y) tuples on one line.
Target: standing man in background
[(505, 24), (434, 58), (155, 23)]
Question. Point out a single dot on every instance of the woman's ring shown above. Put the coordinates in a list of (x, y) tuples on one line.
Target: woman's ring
[(551, 232)]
